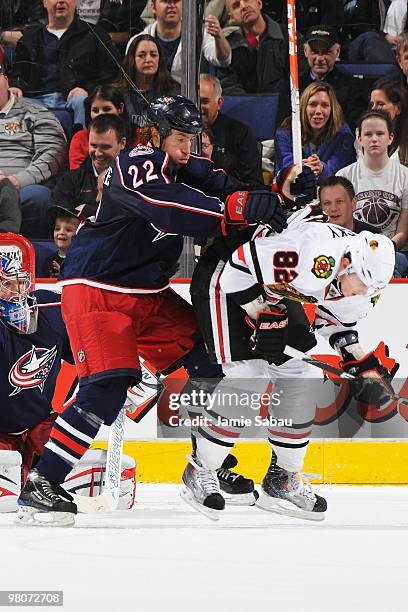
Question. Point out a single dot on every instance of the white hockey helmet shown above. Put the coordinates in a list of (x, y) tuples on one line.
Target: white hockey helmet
[(372, 259)]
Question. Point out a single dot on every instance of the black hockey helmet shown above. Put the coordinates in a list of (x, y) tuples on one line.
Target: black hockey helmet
[(175, 113)]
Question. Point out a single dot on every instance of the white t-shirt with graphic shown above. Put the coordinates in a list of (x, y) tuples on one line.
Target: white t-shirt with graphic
[(380, 195), (89, 10)]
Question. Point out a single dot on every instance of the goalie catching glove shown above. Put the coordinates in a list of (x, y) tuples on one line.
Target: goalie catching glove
[(270, 332), (373, 382), (246, 207), (296, 190)]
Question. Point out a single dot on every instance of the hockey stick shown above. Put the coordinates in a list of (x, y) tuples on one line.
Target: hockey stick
[(292, 352), (294, 87), (109, 499)]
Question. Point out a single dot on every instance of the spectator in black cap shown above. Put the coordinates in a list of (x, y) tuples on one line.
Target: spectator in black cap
[(322, 50)]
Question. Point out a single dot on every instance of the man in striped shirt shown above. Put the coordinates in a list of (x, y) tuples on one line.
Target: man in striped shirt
[(33, 149)]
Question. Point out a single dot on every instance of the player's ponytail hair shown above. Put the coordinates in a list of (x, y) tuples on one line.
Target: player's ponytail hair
[(145, 135)]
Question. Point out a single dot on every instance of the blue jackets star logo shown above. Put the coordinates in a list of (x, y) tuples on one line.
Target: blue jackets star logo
[(32, 369)]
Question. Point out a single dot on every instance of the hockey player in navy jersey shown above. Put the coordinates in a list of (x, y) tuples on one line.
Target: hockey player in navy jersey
[(116, 300)]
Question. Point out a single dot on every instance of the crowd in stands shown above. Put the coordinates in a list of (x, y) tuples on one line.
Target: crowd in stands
[(64, 56)]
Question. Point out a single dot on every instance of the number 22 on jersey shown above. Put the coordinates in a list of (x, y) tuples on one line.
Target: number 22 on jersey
[(138, 178)]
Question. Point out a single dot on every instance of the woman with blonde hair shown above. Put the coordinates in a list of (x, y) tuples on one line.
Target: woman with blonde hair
[(327, 141)]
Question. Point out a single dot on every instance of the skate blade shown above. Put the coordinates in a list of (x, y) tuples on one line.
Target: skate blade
[(32, 517), (187, 496), (285, 507), (241, 499)]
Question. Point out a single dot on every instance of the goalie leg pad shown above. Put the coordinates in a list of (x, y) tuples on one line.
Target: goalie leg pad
[(88, 478), (10, 478)]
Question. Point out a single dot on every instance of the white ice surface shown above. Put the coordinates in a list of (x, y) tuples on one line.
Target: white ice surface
[(165, 557)]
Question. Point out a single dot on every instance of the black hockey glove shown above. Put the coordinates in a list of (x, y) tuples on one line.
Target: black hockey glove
[(270, 333), (296, 191), (263, 206), (373, 382)]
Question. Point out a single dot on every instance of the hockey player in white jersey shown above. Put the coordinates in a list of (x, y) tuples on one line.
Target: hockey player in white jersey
[(311, 262)]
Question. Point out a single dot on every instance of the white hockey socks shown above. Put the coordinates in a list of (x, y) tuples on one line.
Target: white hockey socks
[(210, 454), (290, 458)]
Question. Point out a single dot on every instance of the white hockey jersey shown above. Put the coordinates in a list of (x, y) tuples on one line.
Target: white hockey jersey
[(300, 264)]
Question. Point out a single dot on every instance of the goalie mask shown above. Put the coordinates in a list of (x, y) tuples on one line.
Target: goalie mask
[(17, 262), (372, 258)]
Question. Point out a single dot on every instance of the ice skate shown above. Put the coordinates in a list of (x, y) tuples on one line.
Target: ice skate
[(202, 489), (290, 493), (236, 489), (46, 504)]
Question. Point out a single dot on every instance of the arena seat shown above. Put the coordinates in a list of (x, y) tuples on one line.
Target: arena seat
[(368, 71), (43, 248), (66, 118), (258, 111)]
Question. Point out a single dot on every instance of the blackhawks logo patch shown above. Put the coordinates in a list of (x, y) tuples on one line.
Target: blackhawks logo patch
[(323, 266)]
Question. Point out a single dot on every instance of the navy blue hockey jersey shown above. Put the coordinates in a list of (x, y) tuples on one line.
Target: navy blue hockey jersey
[(135, 241), (29, 366)]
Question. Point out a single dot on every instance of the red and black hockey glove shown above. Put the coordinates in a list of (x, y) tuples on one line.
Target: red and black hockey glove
[(373, 382), (296, 190), (270, 333), (246, 207)]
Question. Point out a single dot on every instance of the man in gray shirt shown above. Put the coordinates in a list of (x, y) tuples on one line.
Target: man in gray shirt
[(33, 149)]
